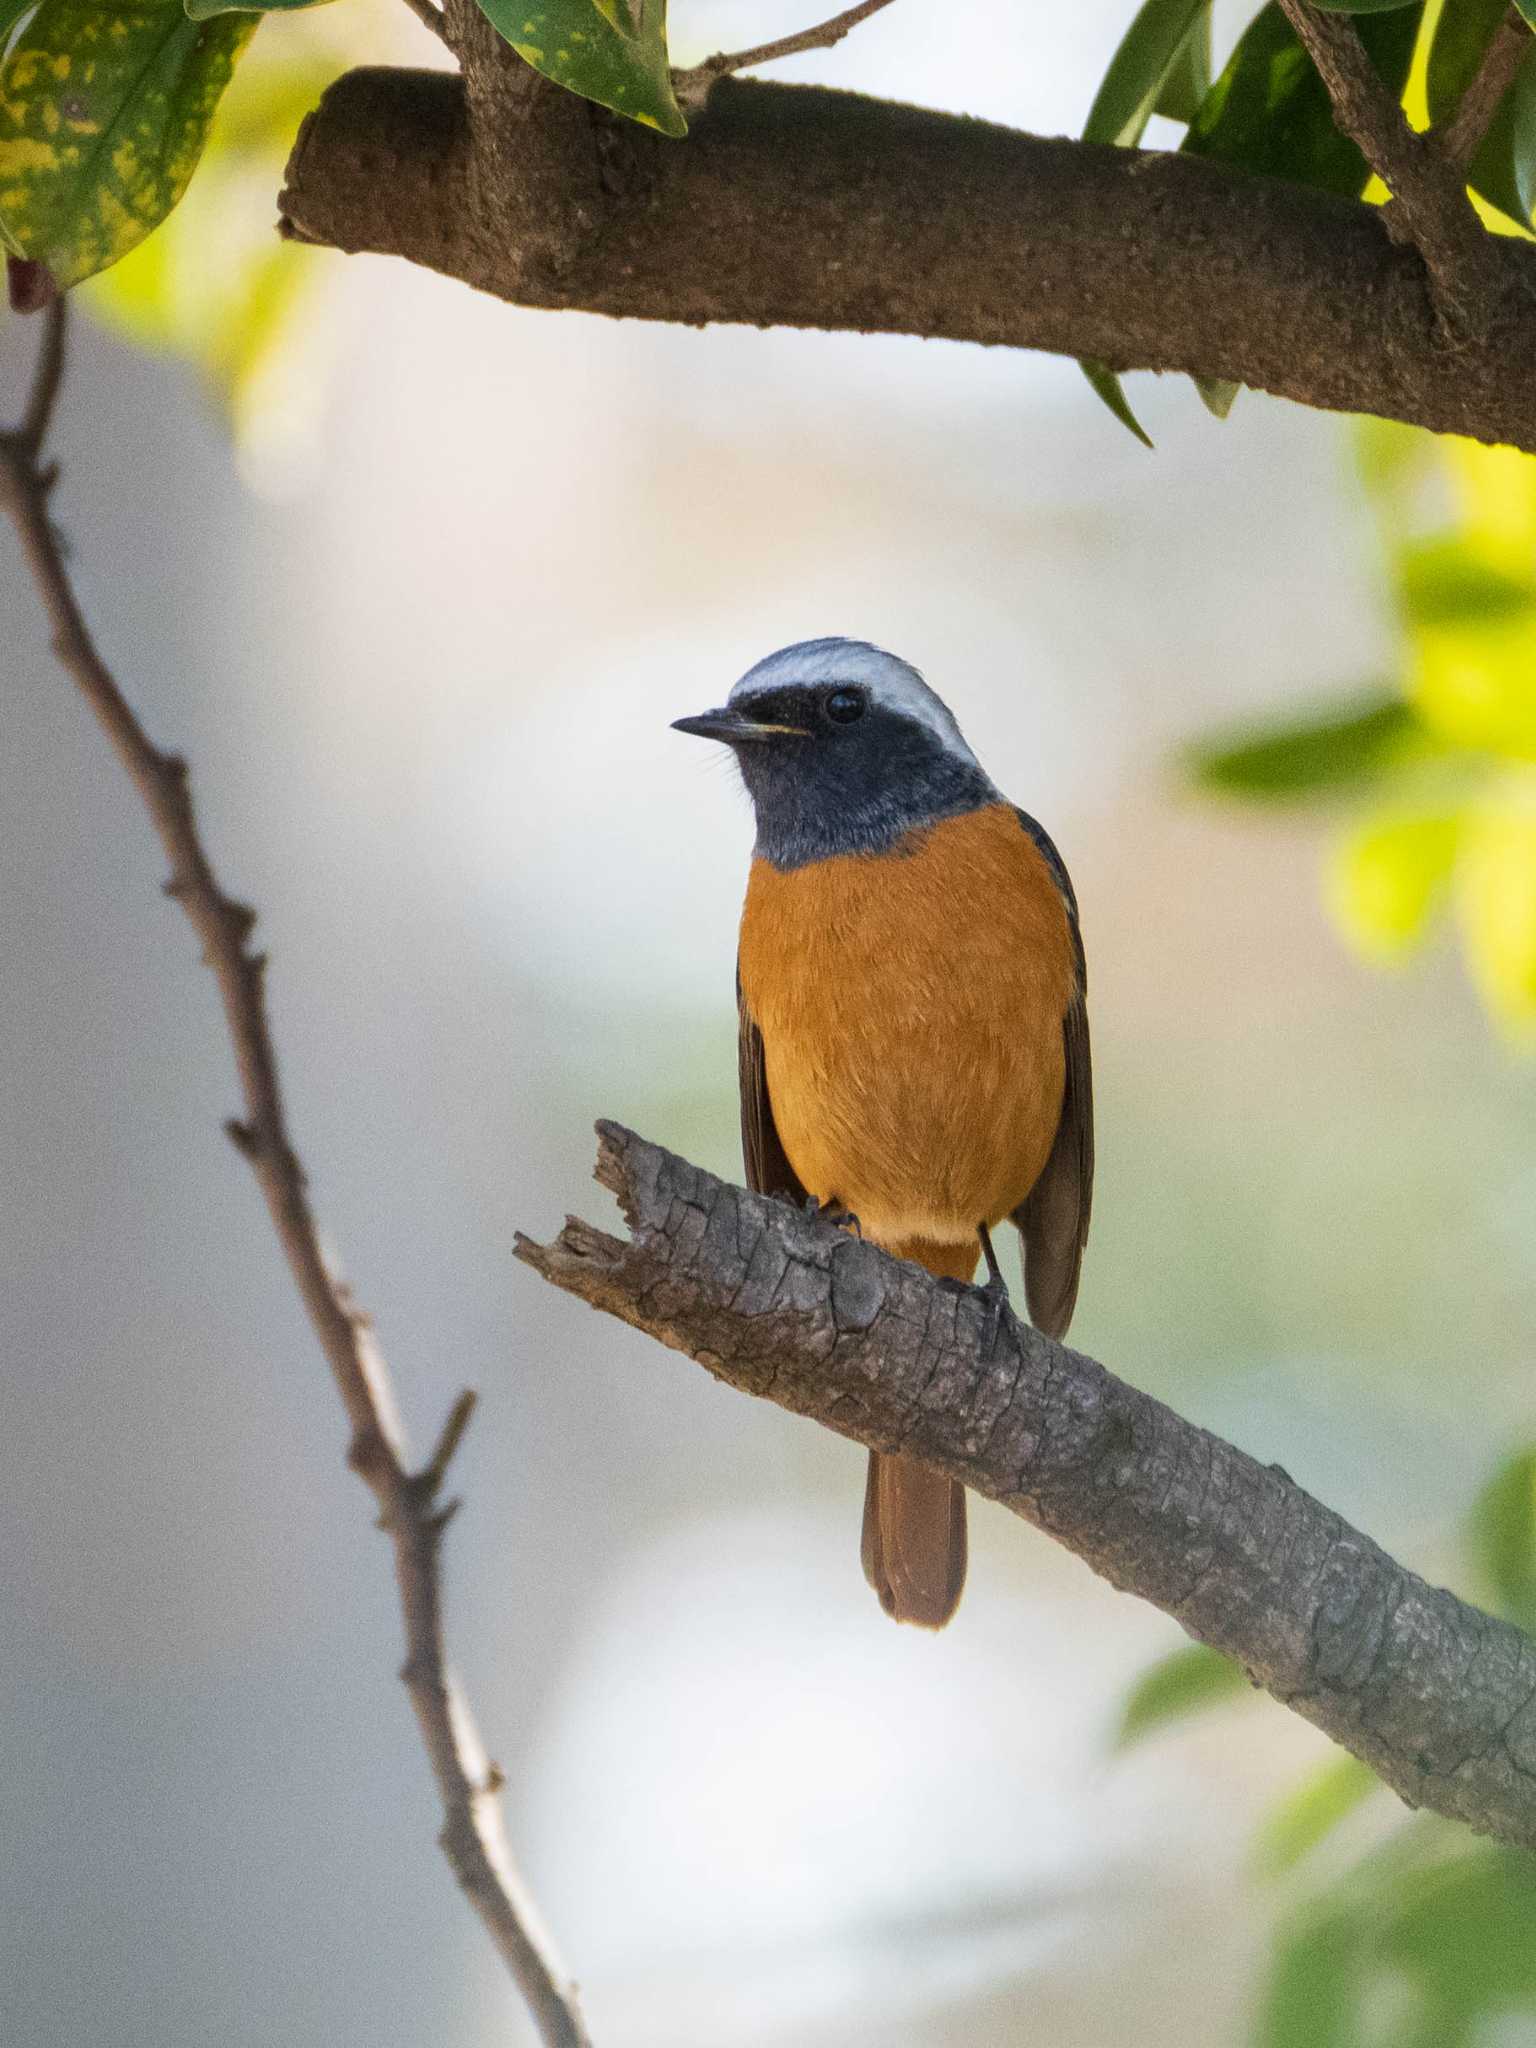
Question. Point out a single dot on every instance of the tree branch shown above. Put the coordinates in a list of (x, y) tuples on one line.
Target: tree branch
[(693, 86), (1507, 49), (795, 206), (430, 15), (1429, 204), (409, 1509), (1436, 1696)]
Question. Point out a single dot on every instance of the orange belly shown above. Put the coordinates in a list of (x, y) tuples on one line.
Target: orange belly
[(911, 1008)]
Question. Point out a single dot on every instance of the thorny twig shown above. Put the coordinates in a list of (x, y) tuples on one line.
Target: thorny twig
[(472, 1838)]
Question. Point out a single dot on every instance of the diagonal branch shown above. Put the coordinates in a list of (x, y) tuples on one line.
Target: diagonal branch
[(795, 206), (410, 1510), (693, 85), (1507, 49), (430, 15), (1429, 205), (1433, 1694)]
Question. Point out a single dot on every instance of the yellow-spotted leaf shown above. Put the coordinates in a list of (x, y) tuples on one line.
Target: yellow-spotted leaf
[(1386, 877), (1496, 901), (611, 51), (204, 10), (103, 115)]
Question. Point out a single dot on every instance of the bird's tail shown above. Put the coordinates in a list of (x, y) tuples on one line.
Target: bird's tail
[(914, 1518)]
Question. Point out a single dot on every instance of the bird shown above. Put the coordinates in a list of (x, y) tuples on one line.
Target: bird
[(913, 1044)]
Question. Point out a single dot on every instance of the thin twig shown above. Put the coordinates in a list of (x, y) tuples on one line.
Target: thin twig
[(1429, 207), (693, 85), (472, 1836), (430, 17), (1462, 134)]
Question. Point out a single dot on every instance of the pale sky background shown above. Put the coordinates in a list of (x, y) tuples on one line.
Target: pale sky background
[(425, 675)]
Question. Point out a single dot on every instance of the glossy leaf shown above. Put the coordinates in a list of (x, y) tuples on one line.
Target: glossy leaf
[(1284, 763), (11, 12), (1269, 110), (1501, 1532), (611, 51), (1109, 388), (213, 283), (204, 10), (1189, 80), (1496, 901), (103, 115), (1386, 878), (1141, 69), (1184, 1682), (1307, 1816)]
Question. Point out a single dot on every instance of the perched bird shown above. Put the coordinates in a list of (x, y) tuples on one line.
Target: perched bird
[(913, 1031)]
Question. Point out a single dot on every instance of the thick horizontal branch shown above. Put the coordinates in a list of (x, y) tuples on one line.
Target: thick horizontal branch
[(1433, 1694), (795, 206)]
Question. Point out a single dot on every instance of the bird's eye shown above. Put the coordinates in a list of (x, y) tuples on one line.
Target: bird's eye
[(844, 706)]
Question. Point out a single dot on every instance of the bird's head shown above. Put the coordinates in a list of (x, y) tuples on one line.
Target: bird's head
[(844, 749)]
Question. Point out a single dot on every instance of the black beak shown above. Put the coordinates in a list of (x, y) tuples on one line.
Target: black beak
[(735, 730)]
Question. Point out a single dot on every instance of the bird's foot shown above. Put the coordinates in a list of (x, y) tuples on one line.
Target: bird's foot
[(834, 1213), (995, 1288)]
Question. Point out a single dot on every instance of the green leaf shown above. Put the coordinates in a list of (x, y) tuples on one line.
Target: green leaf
[(11, 12), (1309, 1815), (1269, 111), (1181, 1683), (611, 51), (1313, 1997), (103, 115), (1463, 1935), (1216, 395), (1345, 750), (1387, 876), (1141, 69), (1189, 80), (1501, 1533), (1108, 386), (205, 10), (1444, 582), (1359, 6)]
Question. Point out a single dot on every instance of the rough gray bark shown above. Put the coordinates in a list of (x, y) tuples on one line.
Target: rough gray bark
[(795, 206), (1433, 1694)]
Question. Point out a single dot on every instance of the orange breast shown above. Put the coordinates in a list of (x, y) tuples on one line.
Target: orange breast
[(911, 1006)]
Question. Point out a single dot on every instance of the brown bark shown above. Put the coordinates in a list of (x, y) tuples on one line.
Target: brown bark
[(1433, 1694), (795, 206)]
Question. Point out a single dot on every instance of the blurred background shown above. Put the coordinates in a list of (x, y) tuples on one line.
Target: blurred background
[(418, 591)]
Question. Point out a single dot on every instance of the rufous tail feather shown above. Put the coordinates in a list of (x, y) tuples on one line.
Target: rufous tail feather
[(914, 1518)]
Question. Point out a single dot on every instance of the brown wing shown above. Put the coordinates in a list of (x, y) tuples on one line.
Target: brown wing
[(768, 1171), (1053, 1218)]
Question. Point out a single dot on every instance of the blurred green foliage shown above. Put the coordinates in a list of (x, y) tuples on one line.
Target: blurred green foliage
[(1424, 1938), (1439, 770)]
